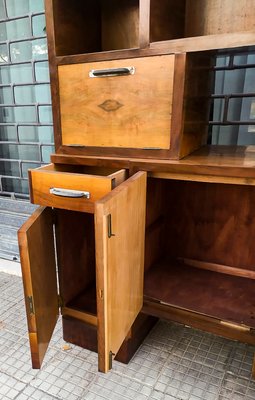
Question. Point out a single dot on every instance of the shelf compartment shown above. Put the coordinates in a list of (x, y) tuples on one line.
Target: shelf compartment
[(94, 26), (222, 296), (83, 307), (199, 18)]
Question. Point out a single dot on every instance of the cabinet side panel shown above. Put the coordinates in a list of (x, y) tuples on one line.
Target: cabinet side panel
[(198, 87)]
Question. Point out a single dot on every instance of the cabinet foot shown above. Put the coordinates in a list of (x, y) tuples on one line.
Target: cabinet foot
[(85, 335)]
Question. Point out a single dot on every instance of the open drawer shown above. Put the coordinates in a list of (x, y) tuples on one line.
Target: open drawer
[(72, 187)]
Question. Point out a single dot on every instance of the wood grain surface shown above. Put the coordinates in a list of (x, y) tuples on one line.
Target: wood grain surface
[(120, 263), (38, 265), (123, 111), (207, 17), (49, 176)]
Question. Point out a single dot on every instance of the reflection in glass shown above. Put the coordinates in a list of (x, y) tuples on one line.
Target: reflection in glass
[(42, 134), (27, 50), (42, 71), (16, 29)]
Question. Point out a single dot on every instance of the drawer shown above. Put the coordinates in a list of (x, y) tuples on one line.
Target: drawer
[(117, 104), (72, 187)]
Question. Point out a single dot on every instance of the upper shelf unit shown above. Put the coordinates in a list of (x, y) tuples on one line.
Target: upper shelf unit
[(91, 27)]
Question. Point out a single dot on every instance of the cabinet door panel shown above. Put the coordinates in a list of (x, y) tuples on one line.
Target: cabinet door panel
[(120, 230), (36, 242)]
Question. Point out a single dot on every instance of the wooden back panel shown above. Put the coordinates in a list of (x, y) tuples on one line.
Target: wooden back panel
[(210, 17), (212, 223), (77, 26), (120, 24), (75, 238), (167, 19)]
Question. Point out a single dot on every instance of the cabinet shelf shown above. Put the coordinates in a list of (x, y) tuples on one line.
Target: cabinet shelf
[(94, 26), (219, 295)]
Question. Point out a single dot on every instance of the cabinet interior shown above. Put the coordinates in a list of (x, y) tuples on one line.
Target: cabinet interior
[(188, 18), (95, 26), (75, 239), (199, 248)]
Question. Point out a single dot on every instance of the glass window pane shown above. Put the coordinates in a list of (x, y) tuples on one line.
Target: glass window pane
[(39, 25), (42, 134), (32, 94), (26, 166), (21, 7), (16, 29), (222, 61), (8, 133), (2, 9), (36, 6), (244, 59), (25, 51), (10, 168), (241, 109), (45, 114), (42, 71), (6, 95), (17, 7), (46, 152), (218, 108), (18, 114), (3, 54), (20, 152), (42, 94), (15, 185), (24, 94), (16, 74)]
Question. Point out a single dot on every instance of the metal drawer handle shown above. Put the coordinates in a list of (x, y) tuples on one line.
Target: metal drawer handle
[(102, 73), (69, 193)]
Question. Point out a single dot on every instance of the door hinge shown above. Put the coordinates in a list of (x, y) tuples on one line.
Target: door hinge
[(60, 301), (30, 302), (109, 224), (111, 355)]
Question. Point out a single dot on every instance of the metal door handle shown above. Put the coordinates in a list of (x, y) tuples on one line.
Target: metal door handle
[(103, 73), (69, 193)]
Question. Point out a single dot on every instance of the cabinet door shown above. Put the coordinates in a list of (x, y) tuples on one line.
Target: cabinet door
[(120, 231), (36, 242)]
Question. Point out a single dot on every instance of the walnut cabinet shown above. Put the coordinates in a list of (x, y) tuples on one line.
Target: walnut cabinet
[(140, 218)]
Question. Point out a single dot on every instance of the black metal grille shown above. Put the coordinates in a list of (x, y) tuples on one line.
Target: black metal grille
[(232, 119)]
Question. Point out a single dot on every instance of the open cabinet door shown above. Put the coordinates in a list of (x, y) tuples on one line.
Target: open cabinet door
[(36, 242), (120, 231)]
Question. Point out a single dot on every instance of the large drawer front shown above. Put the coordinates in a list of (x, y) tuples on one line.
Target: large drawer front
[(130, 108), (70, 187)]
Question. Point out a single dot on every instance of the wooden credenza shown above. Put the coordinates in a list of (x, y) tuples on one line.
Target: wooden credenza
[(139, 218)]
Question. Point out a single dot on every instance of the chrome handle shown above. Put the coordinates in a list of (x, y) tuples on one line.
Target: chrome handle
[(103, 73), (69, 193)]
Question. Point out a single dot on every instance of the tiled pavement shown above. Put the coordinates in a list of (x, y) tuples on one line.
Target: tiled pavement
[(174, 362)]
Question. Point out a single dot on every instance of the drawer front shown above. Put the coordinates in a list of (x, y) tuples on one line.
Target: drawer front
[(70, 191), (120, 103)]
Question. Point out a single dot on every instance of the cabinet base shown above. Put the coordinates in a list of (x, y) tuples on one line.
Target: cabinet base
[(85, 335)]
